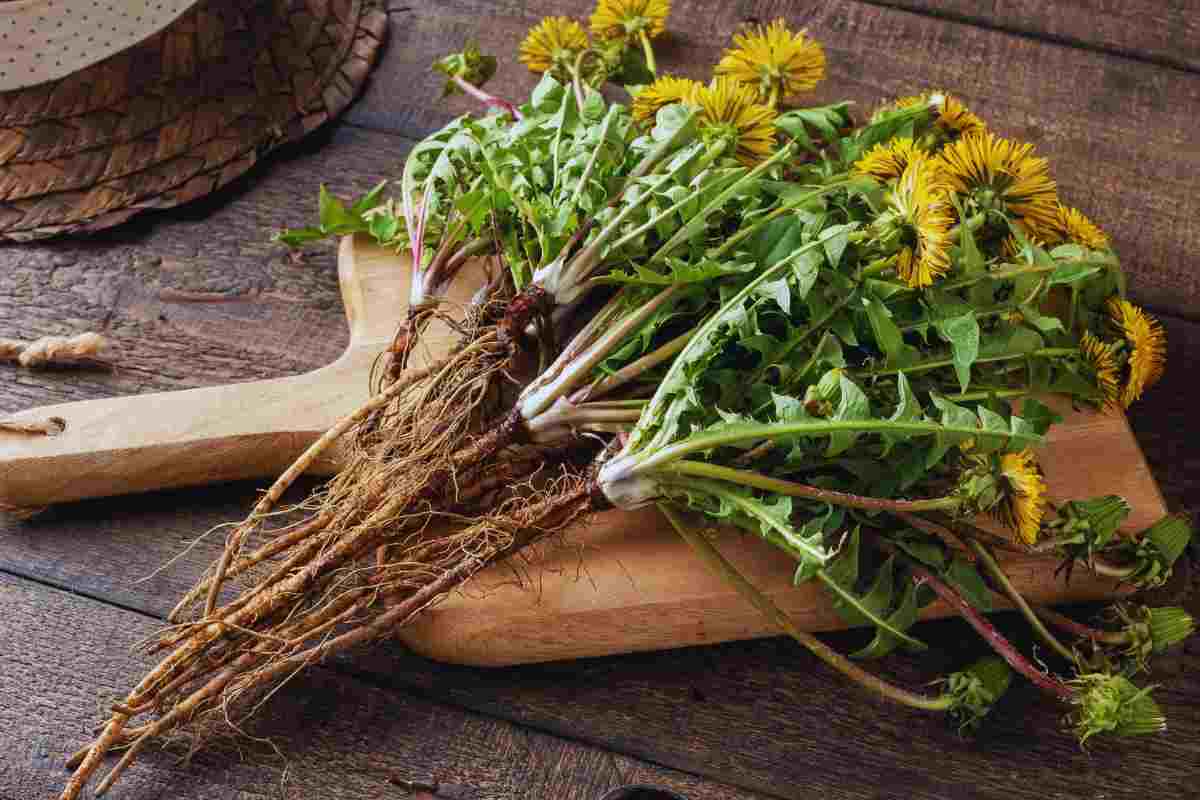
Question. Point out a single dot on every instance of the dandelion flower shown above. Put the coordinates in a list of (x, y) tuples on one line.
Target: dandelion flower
[(553, 42), (887, 160), (1147, 348), (628, 19), (1076, 227), (1024, 502), (953, 116), (663, 92), (775, 60), (1102, 361), (919, 201), (1000, 171), (730, 111)]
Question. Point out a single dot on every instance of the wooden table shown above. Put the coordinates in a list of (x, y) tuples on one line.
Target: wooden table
[(197, 296)]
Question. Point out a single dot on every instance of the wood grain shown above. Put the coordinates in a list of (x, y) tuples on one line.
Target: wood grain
[(338, 737), (1118, 132), (1163, 33)]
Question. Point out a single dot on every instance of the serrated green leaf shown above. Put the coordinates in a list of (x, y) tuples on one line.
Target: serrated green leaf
[(331, 212), (903, 618), (953, 416), (907, 409), (887, 335), (962, 332), (964, 577), (852, 405), (835, 239)]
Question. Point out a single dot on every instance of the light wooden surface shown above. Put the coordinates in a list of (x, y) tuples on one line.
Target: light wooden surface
[(626, 582)]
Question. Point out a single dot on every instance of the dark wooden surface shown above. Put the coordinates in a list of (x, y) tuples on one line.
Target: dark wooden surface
[(1108, 90)]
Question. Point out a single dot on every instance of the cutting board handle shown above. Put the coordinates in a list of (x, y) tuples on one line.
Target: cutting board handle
[(122, 445)]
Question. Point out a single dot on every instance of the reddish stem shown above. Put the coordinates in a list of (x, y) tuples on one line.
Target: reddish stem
[(487, 98), (993, 637), (1075, 628)]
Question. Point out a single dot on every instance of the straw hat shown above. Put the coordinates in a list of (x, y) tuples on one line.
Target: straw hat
[(109, 107)]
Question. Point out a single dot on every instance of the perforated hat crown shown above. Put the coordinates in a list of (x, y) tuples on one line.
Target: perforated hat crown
[(110, 107)]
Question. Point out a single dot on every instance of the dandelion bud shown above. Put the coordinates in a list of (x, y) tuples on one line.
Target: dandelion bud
[(1159, 548), (1112, 704), (1169, 626), (470, 65), (976, 689)]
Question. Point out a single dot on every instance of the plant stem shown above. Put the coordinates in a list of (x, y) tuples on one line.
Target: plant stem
[(938, 363), (974, 531), (808, 427), (1065, 623), (995, 639), (998, 275), (487, 98), (591, 164), (558, 383), (811, 328), (721, 567), (993, 568), (699, 219), (987, 394), (745, 477), (635, 368), (773, 98), (577, 79), (648, 51), (1102, 567), (775, 213), (876, 267)]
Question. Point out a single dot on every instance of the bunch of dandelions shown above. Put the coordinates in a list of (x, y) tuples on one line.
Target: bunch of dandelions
[(619, 48)]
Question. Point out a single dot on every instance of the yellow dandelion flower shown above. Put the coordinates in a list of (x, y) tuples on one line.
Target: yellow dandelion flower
[(1024, 501), (953, 116), (887, 160), (1147, 348), (775, 60), (1076, 227), (663, 92), (1099, 356), (628, 19), (553, 42), (1000, 171), (920, 202), (731, 112)]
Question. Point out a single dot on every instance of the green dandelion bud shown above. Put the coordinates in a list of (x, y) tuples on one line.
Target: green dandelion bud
[(1169, 626), (976, 689), (1113, 704), (1086, 526), (470, 66), (1157, 550)]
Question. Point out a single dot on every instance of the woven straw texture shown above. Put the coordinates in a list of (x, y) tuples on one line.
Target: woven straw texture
[(180, 114)]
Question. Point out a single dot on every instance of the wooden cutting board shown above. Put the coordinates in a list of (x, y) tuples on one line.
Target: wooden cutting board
[(620, 584), (624, 582)]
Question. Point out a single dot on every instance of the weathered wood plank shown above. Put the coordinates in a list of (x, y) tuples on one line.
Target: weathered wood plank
[(337, 737), (1118, 132), (150, 285), (1159, 32)]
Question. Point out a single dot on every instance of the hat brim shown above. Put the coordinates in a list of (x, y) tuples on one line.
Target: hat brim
[(180, 113)]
